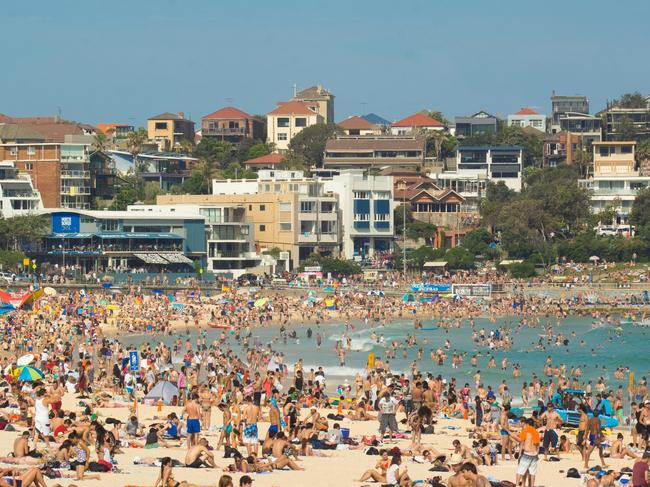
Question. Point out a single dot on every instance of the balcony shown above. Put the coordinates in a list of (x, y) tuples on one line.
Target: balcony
[(224, 131), (75, 190), (312, 237), (75, 174)]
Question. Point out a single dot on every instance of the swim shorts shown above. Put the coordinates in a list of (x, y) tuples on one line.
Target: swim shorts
[(527, 463), (193, 426), (250, 434), (273, 429)]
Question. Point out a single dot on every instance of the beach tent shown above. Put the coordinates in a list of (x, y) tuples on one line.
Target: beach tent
[(7, 308), (164, 390), (407, 298)]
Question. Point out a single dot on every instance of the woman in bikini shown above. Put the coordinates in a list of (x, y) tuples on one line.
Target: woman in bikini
[(166, 478)]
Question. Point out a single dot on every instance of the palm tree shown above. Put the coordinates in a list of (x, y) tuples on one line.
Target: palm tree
[(135, 140)]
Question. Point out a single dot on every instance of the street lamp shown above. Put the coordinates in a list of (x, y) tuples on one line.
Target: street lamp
[(404, 228)]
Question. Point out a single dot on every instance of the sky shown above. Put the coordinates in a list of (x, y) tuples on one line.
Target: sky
[(125, 61)]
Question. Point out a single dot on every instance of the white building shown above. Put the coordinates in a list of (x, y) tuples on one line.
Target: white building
[(365, 207), (615, 182), (527, 117), (230, 246), (251, 186), (17, 194)]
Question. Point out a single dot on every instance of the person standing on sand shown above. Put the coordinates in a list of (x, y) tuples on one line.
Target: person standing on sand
[(388, 409), (205, 399), (529, 455), (251, 415), (553, 422), (193, 420), (504, 432)]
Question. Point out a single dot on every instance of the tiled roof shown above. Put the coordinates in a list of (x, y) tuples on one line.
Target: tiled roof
[(356, 122), (526, 111), (167, 116), (273, 158), (313, 91), (418, 120), (292, 108), (227, 113), (106, 127)]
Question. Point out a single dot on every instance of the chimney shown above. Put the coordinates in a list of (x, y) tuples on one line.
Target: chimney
[(181, 114)]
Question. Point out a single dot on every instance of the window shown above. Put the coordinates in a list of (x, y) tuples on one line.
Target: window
[(250, 207), (301, 122), (626, 149), (161, 125), (29, 166), (262, 228), (31, 150), (362, 195), (604, 151), (13, 151), (109, 225), (282, 136), (262, 207), (283, 122), (276, 188), (285, 206), (285, 227), (361, 217), (244, 230), (382, 195), (382, 217), (306, 206)]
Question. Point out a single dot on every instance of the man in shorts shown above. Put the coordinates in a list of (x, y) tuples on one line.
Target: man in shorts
[(251, 416), (193, 420), (529, 457)]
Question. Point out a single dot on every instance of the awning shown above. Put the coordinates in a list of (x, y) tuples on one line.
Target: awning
[(151, 258), (166, 258), (71, 235), (510, 262), (176, 258), (435, 264), (145, 235)]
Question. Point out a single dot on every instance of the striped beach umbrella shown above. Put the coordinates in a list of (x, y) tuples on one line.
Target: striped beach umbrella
[(28, 373)]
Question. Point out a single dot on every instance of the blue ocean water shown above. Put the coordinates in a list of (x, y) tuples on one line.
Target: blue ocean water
[(604, 349)]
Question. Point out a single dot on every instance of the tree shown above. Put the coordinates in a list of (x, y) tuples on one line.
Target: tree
[(338, 266), (422, 255), (151, 190), (496, 196), (630, 100), (125, 196), (459, 258), (477, 241), (235, 170), (294, 162), (185, 147), (259, 150), (417, 230), (522, 270), (22, 231), (196, 183), (438, 116), (309, 143), (640, 214), (626, 129), (398, 216), (135, 140)]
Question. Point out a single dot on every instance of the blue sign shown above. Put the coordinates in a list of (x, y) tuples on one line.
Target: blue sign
[(430, 288), (134, 360), (65, 223)]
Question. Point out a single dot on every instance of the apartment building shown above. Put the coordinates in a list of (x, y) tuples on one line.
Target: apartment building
[(350, 152), (564, 104), (167, 169), (616, 118), (480, 123), (320, 98), (231, 124), (169, 129), (288, 211), (615, 178), (528, 117), (289, 119), (59, 171), (366, 214), (17, 194), (230, 246)]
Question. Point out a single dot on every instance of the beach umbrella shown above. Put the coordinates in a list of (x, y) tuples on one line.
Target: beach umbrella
[(163, 390), (260, 302), (25, 360), (28, 373), (594, 258), (50, 291), (107, 285)]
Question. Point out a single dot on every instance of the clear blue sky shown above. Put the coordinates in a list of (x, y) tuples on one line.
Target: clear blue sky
[(119, 61)]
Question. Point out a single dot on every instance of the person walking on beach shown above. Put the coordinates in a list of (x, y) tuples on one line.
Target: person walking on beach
[(251, 415), (528, 459), (193, 420), (387, 411), (553, 422)]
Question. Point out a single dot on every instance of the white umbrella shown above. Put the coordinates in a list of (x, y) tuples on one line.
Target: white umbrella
[(594, 258), (25, 360)]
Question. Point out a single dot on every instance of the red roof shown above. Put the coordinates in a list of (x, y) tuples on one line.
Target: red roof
[(418, 120), (356, 122), (228, 113), (526, 111), (292, 108), (106, 127), (273, 158)]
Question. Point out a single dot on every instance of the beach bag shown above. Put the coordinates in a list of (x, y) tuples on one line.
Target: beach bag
[(573, 473), (97, 467)]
